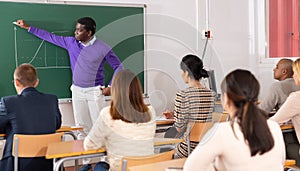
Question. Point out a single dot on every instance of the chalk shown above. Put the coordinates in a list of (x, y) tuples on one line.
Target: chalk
[(15, 23)]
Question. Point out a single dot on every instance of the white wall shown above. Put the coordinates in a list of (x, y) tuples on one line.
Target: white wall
[(234, 44), (174, 29)]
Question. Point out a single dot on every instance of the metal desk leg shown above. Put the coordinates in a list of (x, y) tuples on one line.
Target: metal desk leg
[(75, 138)]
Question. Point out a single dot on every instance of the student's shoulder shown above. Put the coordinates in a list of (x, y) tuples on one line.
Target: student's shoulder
[(9, 98), (293, 97), (276, 85), (283, 83), (217, 130), (51, 97), (182, 92), (187, 91), (105, 112), (295, 94), (274, 126), (9, 101)]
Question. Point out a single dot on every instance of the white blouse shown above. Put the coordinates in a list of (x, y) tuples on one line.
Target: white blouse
[(121, 138), (221, 149)]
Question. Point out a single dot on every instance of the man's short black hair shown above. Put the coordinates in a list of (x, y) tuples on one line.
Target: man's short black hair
[(89, 24)]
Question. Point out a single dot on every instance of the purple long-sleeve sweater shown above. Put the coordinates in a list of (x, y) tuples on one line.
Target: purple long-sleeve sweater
[(87, 63)]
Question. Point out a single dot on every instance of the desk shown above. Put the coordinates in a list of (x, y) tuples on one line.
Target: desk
[(166, 142), (73, 150), (70, 150), (69, 130), (162, 166), (163, 122), (290, 164), (66, 129), (162, 125), (287, 128), (159, 166)]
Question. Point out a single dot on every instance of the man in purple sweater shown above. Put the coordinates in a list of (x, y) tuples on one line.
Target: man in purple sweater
[(87, 57)]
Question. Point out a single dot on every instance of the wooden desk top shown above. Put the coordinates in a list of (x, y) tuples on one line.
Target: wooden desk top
[(286, 126), (75, 148), (160, 122), (159, 166), (69, 148), (218, 102), (162, 166), (68, 128), (61, 129), (289, 162), (165, 141)]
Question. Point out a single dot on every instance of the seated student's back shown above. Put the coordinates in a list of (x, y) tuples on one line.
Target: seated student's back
[(248, 142), (194, 104), (127, 126), (29, 112)]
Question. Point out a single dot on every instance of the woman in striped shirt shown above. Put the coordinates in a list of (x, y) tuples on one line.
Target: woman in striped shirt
[(194, 104)]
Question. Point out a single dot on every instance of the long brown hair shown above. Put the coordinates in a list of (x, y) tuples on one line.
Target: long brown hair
[(242, 88), (127, 101)]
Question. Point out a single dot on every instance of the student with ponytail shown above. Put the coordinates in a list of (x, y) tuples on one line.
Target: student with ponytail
[(249, 141)]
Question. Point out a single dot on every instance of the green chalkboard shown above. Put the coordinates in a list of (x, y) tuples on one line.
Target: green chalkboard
[(120, 27)]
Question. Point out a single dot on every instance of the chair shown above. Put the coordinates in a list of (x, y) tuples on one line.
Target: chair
[(32, 145), (141, 160), (220, 117), (290, 165), (196, 130)]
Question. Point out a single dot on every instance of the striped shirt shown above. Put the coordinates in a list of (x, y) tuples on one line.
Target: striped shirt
[(192, 105)]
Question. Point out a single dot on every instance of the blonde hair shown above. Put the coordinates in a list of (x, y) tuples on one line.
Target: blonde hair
[(296, 67), (127, 101)]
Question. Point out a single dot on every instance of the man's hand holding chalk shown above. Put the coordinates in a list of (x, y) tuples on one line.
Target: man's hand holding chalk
[(22, 24)]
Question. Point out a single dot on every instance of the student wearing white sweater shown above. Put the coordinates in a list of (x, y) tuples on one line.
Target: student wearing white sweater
[(126, 127), (249, 142)]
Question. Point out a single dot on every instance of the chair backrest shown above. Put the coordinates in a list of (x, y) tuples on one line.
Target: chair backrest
[(140, 160), (220, 117), (32, 145), (196, 130)]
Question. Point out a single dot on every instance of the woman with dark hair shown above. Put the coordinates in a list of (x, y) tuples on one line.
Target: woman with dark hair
[(126, 127), (194, 104), (249, 141)]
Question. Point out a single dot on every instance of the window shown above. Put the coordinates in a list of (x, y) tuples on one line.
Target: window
[(282, 27)]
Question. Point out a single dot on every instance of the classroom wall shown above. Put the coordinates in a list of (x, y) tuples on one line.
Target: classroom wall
[(174, 29)]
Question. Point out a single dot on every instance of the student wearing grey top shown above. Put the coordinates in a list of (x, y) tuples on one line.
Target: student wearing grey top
[(279, 91)]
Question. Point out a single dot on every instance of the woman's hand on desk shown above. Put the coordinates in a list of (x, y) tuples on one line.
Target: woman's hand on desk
[(168, 114)]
